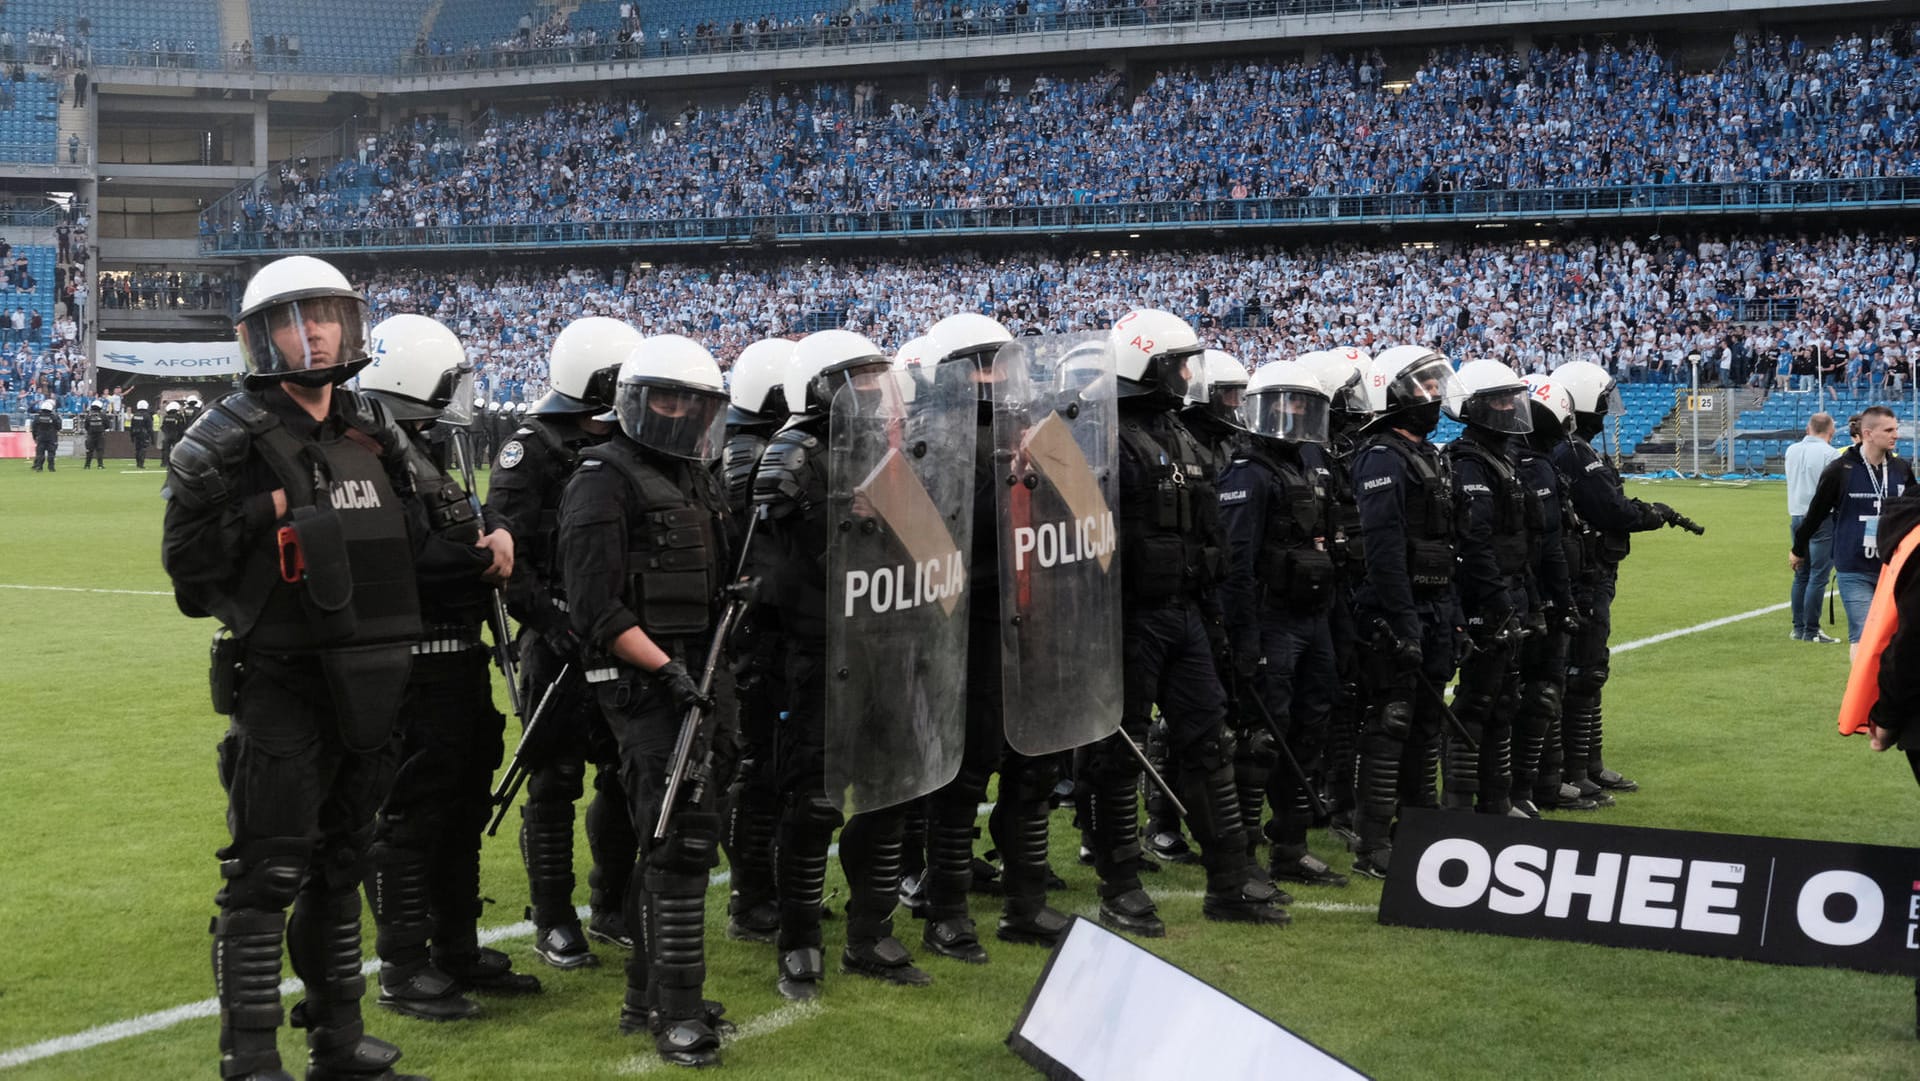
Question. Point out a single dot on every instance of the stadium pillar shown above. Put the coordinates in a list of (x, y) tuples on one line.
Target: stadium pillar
[(260, 135)]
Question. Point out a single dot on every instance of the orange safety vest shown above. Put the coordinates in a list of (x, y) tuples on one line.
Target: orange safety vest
[(1863, 683)]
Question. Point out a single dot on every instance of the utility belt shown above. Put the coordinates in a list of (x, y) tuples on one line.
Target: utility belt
[(447, 639)]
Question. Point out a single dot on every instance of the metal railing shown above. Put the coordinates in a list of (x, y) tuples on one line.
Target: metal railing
[(844, 28), (48, 152), (1493, 208)]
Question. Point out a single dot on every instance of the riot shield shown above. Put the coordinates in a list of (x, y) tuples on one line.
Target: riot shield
[(1055, 431), (901, 476)]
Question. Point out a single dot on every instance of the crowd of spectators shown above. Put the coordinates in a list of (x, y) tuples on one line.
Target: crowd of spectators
[(1640, 307), (163, 290), (1469, 118)]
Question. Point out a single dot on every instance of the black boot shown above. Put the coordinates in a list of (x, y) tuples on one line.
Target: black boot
[(397, 895), (323, 941), (1234, 893), (681, 1022), (870, 852), (1163, 837), (246, 976), (1596, 765), (1020, 832), (1376, 792), (458, 953), (950, 931), (800, 868), (752, 912), (546, 847)]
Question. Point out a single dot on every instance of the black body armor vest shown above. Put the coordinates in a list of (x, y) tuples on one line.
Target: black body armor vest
[(1429, 520), (1510, 522), (674, 546)]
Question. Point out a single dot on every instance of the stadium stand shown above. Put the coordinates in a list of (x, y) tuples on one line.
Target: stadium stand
[(321, 40), (29, 120), (38, 296), (169, 33)]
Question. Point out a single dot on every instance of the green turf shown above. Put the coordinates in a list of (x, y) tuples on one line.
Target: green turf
[(112, 812)]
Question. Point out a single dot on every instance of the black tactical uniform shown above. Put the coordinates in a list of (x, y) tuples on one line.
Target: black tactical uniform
[(1600, 499), (1490, 537), (753, 803), (1350, 700), (140, 430), (46, 439), (93, 425), (1406, 607), (171, 428), (1171, 629), (424, 867), (790, 558), (1554, 544), (322, 610), (642, 544), (529, 478)]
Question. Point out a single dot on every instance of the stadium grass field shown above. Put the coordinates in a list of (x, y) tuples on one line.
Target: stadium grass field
[(111, 812)]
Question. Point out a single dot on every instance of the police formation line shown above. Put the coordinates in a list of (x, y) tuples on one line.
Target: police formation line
[(45, 429), (838, 596)]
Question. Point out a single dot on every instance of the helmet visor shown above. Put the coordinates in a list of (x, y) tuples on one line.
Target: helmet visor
[(304, 335), (864, 376), (1181, 374), (986, 373), (1352, 397), (455, 391), (673, 419), (1294, 416), (1505, 409), (1429, 381), (1225, 399)]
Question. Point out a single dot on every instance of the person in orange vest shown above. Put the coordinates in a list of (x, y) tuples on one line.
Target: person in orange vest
[(1883, 692)]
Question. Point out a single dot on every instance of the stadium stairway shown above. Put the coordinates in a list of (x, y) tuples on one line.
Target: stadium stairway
[(236, 23), (73, 121)]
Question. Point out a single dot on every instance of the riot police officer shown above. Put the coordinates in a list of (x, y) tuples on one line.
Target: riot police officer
[(172, 427), (1344, 373), (1172, 629), (140, 430), (1601, 501), (758, 407), (423, 881), (643, 551), (291, 518), (1405, 603), (529, 477), (94, 429), (190, 411), (46, 436), (1490, 579), (1276, 508), (790, 556), (1019, 818), (1557, 561)]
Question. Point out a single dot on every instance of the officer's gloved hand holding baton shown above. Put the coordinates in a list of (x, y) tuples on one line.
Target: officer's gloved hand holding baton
[(680, 684), (1680, 521)]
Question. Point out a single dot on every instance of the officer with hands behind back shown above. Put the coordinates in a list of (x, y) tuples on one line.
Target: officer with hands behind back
[(291, 518)]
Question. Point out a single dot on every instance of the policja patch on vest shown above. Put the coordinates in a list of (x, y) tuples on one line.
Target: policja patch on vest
[(511, 453)]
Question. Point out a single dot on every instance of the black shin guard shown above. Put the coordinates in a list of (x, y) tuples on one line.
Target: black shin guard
[(398, 900), (611, 841), (546, 847), (752, 816), (323, 941), (870, 854), (246, 977)]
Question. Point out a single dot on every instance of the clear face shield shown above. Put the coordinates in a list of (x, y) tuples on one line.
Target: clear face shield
[(1431, 381), (1182, 374), (673, 419), (986, 373), (1352, 397), (1292, 416), (1506, 411), (872, 379), (311, 334), (456, 390)]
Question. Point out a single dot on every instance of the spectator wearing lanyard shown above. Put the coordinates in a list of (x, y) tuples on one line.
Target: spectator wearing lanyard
[(1806, 460), (1852, 491)]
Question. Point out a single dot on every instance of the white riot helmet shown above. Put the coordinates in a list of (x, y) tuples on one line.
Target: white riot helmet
[(1344, 374), (520, 408), (921, 352), (1490, 396), (971, 338), (821, 361), (141, 405), (758, 389), (1156, 350), (193, 402), (173, 407), (670, 399), (1225, 385), (46, 406), (1286, 401), (583, 364), (1592, 392), (419, 370), (98, 406), (1552, 406), (1407, 385), (301, 320)]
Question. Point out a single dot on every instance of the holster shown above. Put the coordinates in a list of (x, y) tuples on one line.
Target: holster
[(367, 683), (224, 672), (326, 572)]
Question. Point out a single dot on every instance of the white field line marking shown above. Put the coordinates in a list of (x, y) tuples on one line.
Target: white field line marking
[(763, 1025), (1698, 627), (1092, 912), (79, 589), (154, 1022)]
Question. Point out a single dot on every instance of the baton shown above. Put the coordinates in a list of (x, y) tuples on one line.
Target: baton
[(1286, 752), (497, 614), (1159, 781), (516, 774), (681, 769)]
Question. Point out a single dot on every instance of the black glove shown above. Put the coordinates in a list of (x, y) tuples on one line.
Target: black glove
[(1665, 513), (679, 684), (1462, 646), (1405, 648)]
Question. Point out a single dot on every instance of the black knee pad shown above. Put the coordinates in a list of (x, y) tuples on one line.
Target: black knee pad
[(268, 878), (815, 817), (1255, 750), (692, 846), (1028, 780), (1395, 719), (1109, 761), (563, 783)]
